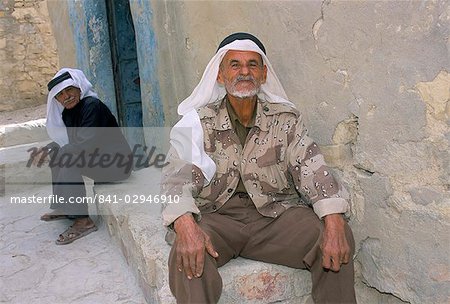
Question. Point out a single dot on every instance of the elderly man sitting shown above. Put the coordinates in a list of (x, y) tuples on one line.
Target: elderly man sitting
[(87, 141), (252, 183)]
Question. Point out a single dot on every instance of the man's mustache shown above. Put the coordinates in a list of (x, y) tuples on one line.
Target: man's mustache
[(244, 78), (68, 100)]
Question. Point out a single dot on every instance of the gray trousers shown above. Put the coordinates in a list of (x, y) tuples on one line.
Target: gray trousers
[(293, 239), (68, 183)]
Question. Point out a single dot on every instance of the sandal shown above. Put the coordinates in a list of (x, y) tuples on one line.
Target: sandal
[(48, 217), (72, 234)]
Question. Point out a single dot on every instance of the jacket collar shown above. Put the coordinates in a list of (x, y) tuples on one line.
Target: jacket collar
[(264, 114)]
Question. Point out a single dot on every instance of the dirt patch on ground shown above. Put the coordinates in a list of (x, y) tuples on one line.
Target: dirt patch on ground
[(23, 115)]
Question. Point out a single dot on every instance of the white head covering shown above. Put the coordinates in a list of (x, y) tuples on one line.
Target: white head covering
[(208, 91), (55, 125)]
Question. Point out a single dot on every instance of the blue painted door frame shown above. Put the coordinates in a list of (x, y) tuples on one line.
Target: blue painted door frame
[(126, 71), (93, 52), (124, 62), (114, 72)]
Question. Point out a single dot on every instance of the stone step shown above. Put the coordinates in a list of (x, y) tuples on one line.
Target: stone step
[(15, 140), (15, 169), (23, 133), (18, 153), (139, 232)]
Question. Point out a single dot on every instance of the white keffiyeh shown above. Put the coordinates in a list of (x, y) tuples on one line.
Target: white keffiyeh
[(55, 126)]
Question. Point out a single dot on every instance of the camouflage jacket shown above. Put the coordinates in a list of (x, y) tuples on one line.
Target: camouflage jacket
[(280, 165)]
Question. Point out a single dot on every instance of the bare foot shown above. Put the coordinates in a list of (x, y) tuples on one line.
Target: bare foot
[(53, 216), (84, 222), (80, 228)]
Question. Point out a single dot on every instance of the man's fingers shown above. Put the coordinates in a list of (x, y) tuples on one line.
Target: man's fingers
[(332, 261), (179, 262), (199, 263), (335, 263), (326, 261), (182, 259), (346, 257), (32, 151), (187, 266), (192, 263), (335, 248), (42, 158), (191, 244), (210, 248), (37, 158)]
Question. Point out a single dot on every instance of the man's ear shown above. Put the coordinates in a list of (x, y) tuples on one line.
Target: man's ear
[(219, 77), (265, 74)]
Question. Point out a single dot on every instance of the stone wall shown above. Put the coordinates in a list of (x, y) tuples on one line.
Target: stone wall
[(371, 78), (28, 57)]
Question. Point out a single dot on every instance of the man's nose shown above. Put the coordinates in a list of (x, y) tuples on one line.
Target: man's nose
[(64, 95), (245, 70)]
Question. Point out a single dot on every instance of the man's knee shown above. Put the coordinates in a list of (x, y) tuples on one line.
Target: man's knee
[(205, 289)]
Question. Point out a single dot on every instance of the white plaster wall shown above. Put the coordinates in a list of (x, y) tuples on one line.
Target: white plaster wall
[(62, 31)]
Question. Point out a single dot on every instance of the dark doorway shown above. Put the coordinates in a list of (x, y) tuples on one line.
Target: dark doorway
[(126, 71)]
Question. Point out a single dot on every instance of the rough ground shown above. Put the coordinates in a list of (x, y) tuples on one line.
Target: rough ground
[(23, 115), (35, 270)]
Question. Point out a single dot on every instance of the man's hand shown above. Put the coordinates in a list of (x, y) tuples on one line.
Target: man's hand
[(38, 156), (191, 242), (335, 248)]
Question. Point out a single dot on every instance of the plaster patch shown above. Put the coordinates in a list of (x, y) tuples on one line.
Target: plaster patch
[(346, 131), (436, 95)]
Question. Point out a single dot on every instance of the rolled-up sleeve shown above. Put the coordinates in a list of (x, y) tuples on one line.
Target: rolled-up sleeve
[(184, 180), (312, 177)]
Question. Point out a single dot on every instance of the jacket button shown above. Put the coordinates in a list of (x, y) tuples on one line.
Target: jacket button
[(230, 190), (214, 207)]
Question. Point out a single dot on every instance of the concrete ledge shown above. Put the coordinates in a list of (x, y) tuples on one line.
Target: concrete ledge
[(139, 232), (27, 132), (15, 140), (18, 153), (13, 161)]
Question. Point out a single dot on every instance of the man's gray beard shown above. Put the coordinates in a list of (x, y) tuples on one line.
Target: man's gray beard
[(244, 94), (231, 89)]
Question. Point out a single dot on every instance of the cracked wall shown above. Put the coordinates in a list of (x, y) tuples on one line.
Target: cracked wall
[(371, 79), (28, 57)]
